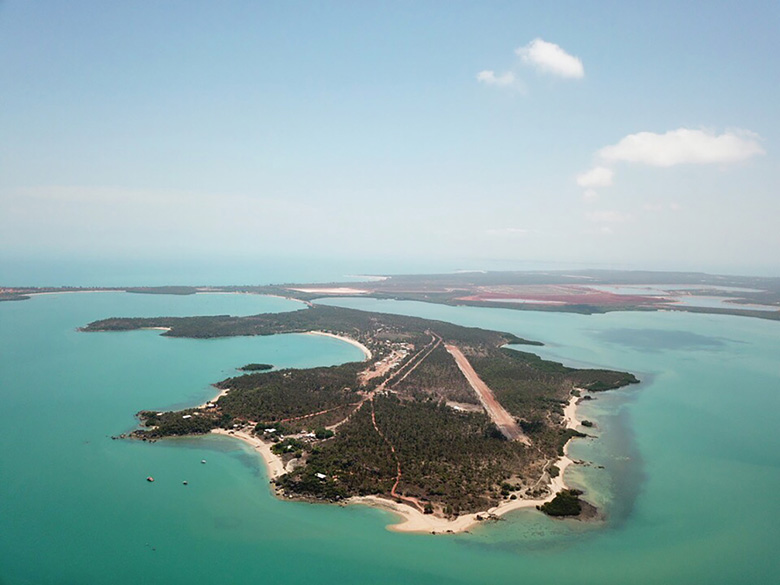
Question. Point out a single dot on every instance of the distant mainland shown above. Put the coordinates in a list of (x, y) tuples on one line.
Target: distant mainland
[(582, 291)]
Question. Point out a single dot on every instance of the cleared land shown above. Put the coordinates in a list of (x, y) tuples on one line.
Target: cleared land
[(497, 413)]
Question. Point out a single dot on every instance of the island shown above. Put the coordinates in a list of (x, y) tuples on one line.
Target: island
[(256, 367), (444, 424), (576, 291)]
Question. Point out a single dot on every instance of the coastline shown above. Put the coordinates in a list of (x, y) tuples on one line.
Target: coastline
[(273, 463), (411, 519), (366, 352), (71, 292), (258, 294)]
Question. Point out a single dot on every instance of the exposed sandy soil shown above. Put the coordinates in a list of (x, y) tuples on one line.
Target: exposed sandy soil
[(340, 290), (504, 421), (366, 352), (571, 295)]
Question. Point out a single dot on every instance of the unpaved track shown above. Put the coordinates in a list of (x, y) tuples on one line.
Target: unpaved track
[(394, 491), (504, 421)]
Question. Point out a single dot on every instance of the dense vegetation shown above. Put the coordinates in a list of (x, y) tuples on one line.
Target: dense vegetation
[(529, 386), (457, 288), (371, 328), (13, 297), (347, 433), (174, 423), (456, 461), (284, 394), (438, 376), (565, 503), (256, 367)]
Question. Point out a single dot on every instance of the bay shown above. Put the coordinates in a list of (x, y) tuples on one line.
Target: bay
[(690, 458)]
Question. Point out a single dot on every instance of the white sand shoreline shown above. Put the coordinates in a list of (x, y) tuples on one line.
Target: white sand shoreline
[(272, 461), (366, 352), (411, 519)]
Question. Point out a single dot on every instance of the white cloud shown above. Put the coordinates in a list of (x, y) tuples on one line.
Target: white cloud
[(684, 146), (590, 196), (596, 177), (550, 58), (607, 216), (490, 78)]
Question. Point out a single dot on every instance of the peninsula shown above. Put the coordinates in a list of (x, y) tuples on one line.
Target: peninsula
[(442, 423), (578, 291)]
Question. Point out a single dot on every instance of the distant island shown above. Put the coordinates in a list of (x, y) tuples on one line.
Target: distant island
[(444, 424), (580, 291), (256, 367)]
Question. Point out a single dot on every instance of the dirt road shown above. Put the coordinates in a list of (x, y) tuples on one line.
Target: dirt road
[(504, 421)]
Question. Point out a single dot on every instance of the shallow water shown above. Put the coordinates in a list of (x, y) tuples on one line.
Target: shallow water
[(677, 295), (690, 457)]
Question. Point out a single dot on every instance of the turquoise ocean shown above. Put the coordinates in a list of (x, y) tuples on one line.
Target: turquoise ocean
[(686, 465)]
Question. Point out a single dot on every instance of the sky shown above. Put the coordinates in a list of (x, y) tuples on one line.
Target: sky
[(639, 135)]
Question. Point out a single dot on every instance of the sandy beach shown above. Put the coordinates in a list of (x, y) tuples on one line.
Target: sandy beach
[(338, 290), (412, 520), (273, 462), (360, 346)]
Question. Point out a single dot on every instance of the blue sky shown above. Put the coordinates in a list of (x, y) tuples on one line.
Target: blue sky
[(635, 135)]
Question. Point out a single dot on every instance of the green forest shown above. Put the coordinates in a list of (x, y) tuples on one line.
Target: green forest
[(414, 431)]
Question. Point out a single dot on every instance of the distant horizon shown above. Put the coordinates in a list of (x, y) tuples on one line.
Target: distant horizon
[(264, 271), (415, 134)]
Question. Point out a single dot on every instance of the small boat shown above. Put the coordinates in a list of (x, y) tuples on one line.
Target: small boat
[(203, 461), (150, 479), (184, 483)]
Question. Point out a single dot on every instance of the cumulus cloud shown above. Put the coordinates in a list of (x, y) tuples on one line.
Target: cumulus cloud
[(683, 146), (596, 177), (490, 78), (675, 147), (550, 58)]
